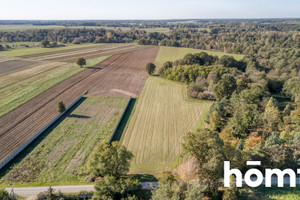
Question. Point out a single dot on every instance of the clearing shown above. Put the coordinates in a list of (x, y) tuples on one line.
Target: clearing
[(60, 153), (161, 118)]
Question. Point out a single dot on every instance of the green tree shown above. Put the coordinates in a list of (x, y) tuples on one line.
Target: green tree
[(207, 148), (271, 117), (4, 195), (292, 88), (274, 150), (177, 190), (228, 61), (109, 160), (61, 106), (45, 43), (81, 62), (116, 188), (150, 68), (165, 66), (225, 87)]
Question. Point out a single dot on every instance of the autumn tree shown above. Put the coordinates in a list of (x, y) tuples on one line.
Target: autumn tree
[(271, 117)]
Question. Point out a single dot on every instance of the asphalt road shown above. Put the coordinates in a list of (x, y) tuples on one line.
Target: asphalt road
[(32, 191)]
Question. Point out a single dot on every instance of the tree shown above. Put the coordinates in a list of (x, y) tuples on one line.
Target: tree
[(271, 117), (274, 150), (4, 195), (150, 68), (116, 188), (61, 106), (178, 191), (225, 87), (228, 61), (81, 62), (165, 66), (207, 148), (292, 88), (109, 160), (45, 43)]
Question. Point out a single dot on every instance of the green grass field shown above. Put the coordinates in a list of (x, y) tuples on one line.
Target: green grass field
[(174, 53), (59, 156), (22, 90), (160, 119), (36, 50)]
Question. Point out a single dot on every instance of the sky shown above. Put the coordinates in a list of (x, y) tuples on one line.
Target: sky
[(149, 9)]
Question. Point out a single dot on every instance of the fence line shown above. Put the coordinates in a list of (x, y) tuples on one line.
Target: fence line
[(15, 153), (114, 133)]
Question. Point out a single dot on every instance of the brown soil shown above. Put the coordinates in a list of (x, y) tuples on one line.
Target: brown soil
[(119, 72), (15, 65)]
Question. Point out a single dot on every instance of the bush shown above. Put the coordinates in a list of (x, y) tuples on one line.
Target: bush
[(61, 107)]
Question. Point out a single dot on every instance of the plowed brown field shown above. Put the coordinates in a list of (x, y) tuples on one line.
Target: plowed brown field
[(118, 75), (15, 65)]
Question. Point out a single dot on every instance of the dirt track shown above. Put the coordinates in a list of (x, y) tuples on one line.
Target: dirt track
[(23, 122)]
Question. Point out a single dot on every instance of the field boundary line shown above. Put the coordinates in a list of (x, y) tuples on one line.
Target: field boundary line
[(121, 118), (28, 142)]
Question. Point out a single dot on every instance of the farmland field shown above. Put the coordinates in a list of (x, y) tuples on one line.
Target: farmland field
[(62, 151), (23, 122), (161, 118), (174, 53), (11, 65), (127, 77), (36, 50), (17, 88)]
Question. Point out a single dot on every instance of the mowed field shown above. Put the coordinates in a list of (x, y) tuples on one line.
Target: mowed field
[(24, 121), (161, 118), (60, 154), (174, 53)]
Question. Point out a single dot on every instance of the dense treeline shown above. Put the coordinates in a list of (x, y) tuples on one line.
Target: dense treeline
[(270, 47)]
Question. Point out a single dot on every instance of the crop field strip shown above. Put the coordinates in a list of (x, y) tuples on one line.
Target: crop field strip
[(37, 112), (18, 52), (19, 87), (129, 78), (161, 118), (12, 65), (67, 52), (87, 53)]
